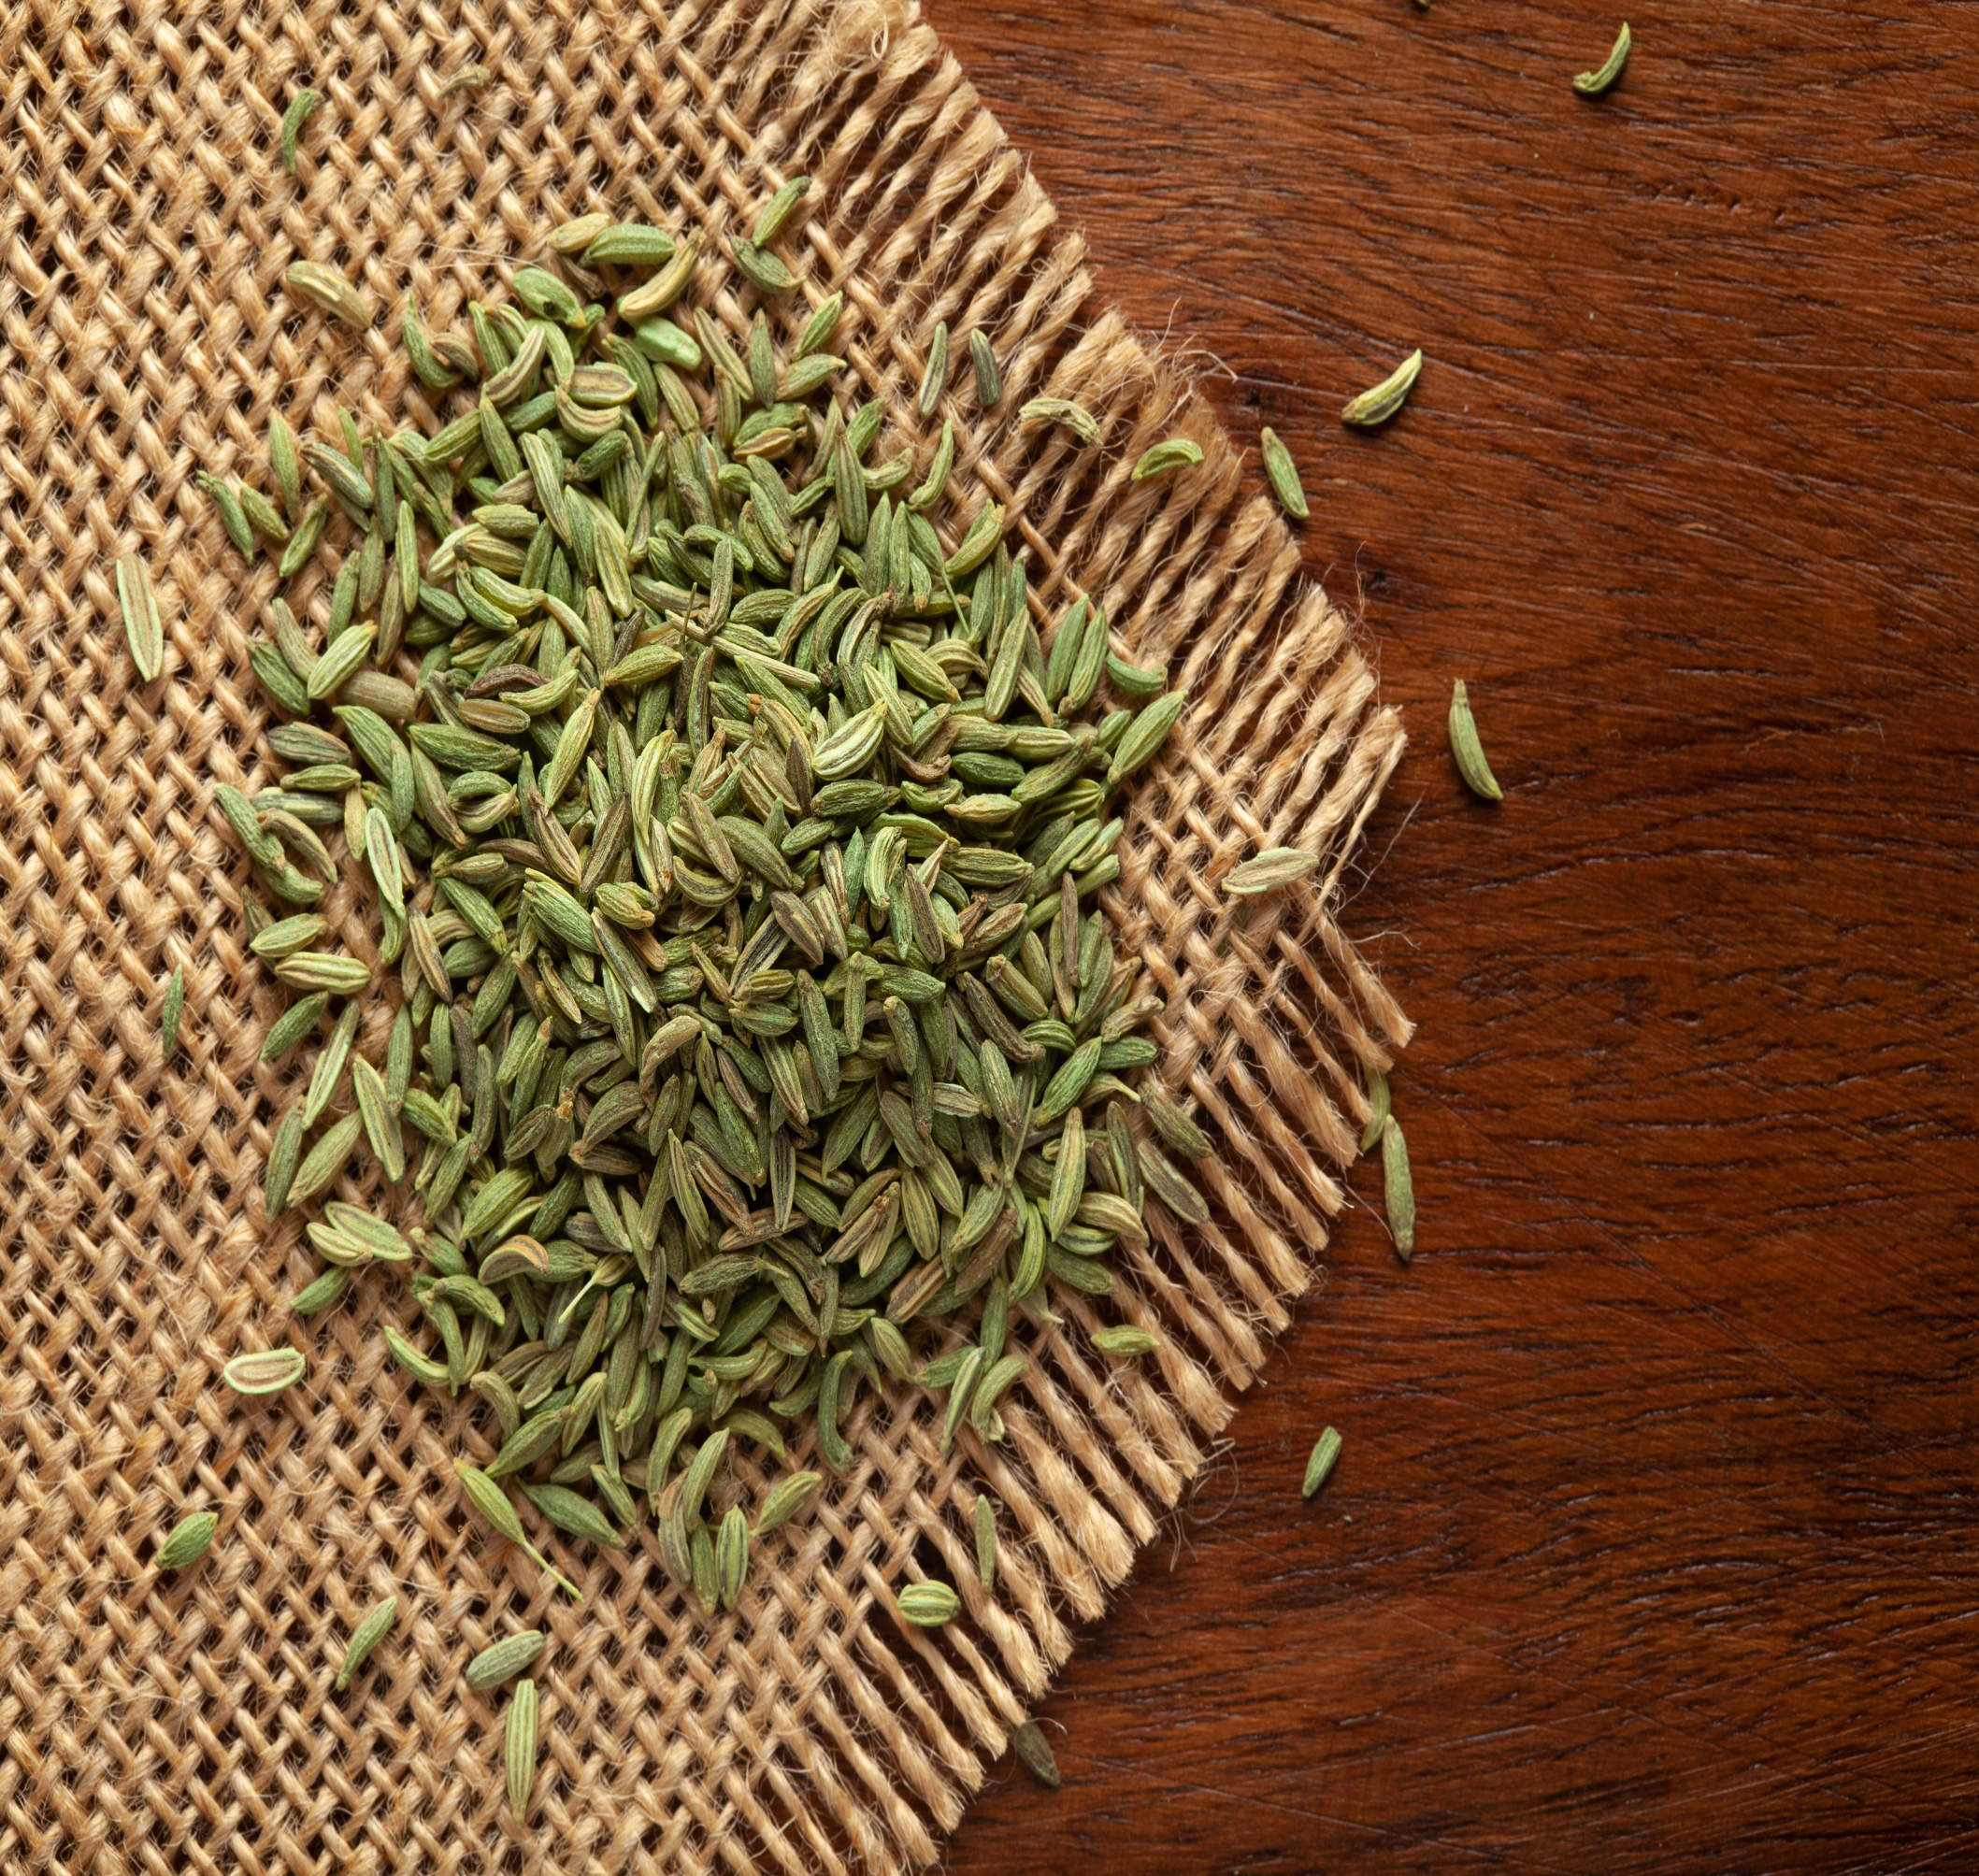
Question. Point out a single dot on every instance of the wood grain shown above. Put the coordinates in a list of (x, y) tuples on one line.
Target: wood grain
[(1650, 1548)]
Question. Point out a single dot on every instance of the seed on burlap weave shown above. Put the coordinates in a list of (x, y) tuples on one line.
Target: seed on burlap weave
[(153, 1721)]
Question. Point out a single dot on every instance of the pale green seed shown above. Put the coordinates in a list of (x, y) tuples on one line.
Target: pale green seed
[(302, 106), (304, 538), (762, 269), (188, 1540), (380, 1125), (959, 1394), (340, 975), (1087, 662), (983, 360), (985, 1519), (1269, 871), (285, 1151), (1282, 472), (265, 1371), (1169, 1186), (700, 1473), (328, 292), (998, 1378), (346, 653), (1177, 452), (377, 1624), (1066, 414), (1068, 1175), (1467, 750), (785, 1500), (936, 480), (324, 1160), (504, 1659), (328, 1074), (1399, 1189), (1592, 84), (1126, 1339), (575, 1514), (1138, 681), (227, 504), (491, 1502), (574, 236), (1118, 1217), (666, 286), (294, 1024), (419, 1366), (321, 1292), (848, 749), (1144, 736), (519, 1744), (629, 244), (779, 210), (173, 1008), (262, 516), (286, 936), (547, 296), (1374, 406), (1176, 1128), (232, 517), (731, 1555), (346, 482), (432, 370), (702, 1571), (934, 374), (143, 631), (1319, 1467), (818, 332), (928, 1605), (380, 1238), (978, 543)]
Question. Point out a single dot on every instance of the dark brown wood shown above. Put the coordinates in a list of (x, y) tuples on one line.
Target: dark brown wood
[(1651, 1546)]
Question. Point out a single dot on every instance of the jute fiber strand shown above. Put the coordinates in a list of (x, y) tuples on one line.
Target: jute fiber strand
[(154, 1721)]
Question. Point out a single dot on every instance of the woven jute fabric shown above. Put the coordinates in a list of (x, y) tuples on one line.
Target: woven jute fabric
[(164, 1722)]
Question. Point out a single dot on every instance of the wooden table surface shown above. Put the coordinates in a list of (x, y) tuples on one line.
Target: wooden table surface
[(1651, 1546)]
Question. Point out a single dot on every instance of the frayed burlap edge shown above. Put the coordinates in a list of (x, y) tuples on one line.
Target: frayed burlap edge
[(153, 1723)]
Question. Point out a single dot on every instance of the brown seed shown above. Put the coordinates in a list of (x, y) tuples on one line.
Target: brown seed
[(1034, 1753), (469, 78)]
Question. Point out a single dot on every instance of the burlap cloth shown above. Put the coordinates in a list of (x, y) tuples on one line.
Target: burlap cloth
[(165, 1722)]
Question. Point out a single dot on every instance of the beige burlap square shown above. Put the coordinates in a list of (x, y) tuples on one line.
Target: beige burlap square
[(154, 1723)]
